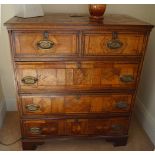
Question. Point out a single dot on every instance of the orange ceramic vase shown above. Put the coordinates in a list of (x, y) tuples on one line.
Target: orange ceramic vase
[(97, 10)]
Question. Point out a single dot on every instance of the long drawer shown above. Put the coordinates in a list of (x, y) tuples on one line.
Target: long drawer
[(75, 127), (63, 76), (75, 104)]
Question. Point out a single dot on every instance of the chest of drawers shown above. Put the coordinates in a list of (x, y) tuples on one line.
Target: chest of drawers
[(76, 77)]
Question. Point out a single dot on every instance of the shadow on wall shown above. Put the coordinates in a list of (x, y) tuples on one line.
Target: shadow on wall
[(145, 107), (147, 82), (6, 70), (2, 106)]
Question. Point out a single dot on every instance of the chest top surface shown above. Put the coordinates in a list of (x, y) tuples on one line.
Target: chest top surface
[(76, 20)]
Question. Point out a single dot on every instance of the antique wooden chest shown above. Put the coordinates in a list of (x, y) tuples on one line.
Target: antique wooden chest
[(76, 77)]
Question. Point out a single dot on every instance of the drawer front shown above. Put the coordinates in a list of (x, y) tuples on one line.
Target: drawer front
[(45, 44), (74, 76), (113, 44), (108, 127), (43, 128), (75, 127), (75, 104)]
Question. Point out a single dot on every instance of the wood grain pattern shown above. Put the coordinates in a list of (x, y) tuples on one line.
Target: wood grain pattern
[(76, 127), (96, 44), (67, 21), (76, 104), (68, 75), (64, 44), (45, 128), (85, 84), (114, 126)]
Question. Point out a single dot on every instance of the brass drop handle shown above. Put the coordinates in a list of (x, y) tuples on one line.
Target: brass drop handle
[(35, 130), (127, 78), (45, 43), (121, 105), (115, 43), (32, 107), (29, 80)]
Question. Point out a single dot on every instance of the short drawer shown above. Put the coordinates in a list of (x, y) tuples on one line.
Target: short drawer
[(75, 127), (77, 104), (43, 128), (114, 43), (75, 76), (45, 43)]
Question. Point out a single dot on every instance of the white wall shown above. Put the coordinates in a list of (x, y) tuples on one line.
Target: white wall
[(2, 100), (145, 104), (65, 8), (2, 106), (6, 70)]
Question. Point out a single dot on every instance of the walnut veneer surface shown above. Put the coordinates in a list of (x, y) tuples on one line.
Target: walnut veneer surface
[(76, 77)]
